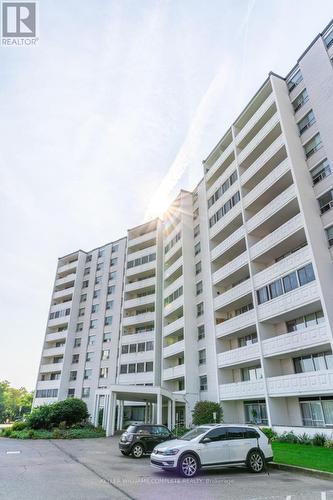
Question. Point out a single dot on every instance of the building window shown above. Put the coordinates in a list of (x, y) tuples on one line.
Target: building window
[(300, 100), (198, 288), (222, 189), (100, 266), (113, 262), (172, 242), (89, 356), (305, 321), (132, 348), (107, 337), (112, 275), (196, 231), (123, 369), (329, 234), (86, 271), (108, 321), (140, 367), (101, 252), (244, 309), (201, 332), (104, 373), (321, 171), (314, 362), (83, 297), (141, 347), (328, 39), (71, 393), (47, 393), (98, 280), (85, 284), (85, 392), (306, 122), (198, 268), (149, 345), (305, 274), (318, 412), (251, 373), (72, 375), (94, 308), (224, 209), (294, 80), (111, 289), (88, 258), (124, 349), (202, 357), (196, 214), (105, 354), (75, 358), (131, 368), (93, 324), (114, 248), (141, 260), (312, 146), (77, 342), (109, 305), (81, 311), (255, 412), (326, 202), (96, 294), (87, 374), (203, 383), (91, 339), (200, 309), (173, 296), (55, 376), (247, 340), (79, 327), (149, 366), (197, 248)]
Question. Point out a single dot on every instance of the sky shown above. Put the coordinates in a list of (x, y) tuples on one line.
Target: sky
[(108, 117)]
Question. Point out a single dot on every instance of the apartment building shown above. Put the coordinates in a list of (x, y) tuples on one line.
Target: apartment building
[(229, 296)]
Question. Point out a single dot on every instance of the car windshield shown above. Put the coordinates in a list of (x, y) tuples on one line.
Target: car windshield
[(131, 429), (194, 433)]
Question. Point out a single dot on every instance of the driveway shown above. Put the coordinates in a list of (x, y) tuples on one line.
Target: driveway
[(94, 469)]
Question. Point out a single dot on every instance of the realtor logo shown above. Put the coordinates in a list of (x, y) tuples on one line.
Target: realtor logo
[(19, 23)]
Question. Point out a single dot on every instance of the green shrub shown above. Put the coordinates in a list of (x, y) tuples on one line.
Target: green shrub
[(57, 434), (288, 437), (180, 431), (269, 433), (6, 432), (319, 439), (203, 413), (19, 426), (305, 439), (63, 413), (329, 443)]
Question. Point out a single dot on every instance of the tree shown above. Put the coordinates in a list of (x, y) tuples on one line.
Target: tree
[(207, 412), (14, 403)]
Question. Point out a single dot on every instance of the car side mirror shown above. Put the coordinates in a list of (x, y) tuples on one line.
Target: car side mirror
[(206, 440)]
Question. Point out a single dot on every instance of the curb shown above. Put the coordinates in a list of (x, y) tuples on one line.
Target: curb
[(308, 472)]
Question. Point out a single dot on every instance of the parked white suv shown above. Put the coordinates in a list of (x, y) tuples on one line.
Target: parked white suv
[(214, 446)]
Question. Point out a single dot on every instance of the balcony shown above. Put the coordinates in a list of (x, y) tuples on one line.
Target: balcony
[(318, 155), (284, 266), (301, 384), (141, 269), (266, 183), (258, 139), (137, 357), (221, 179), (236, 324), (251, 389), (232, 294), (295, 341), (51, 367), (65, 280), (292, 300), (173, 268), (174, 285), (134, 338), (63, 293), (67, 267), (138, 319), (61, 306), (218, 163), (327, 216), (242, 355), (173, 306), (277, 236), (57, 322), (141, 253), (271, 209), (255, 118), (224, 198), (173, 250), (173, 349), (224, 221), (174, 372), (54, 351), (139, 301), (142, 239), (140, 284), (173, 327), (297, 90), (230, 268), (48, 384), (53, 337), (135, 378), (228, 243), (263, 159)]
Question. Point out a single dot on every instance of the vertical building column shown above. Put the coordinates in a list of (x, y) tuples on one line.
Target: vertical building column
[(173, 413), (110, 425), (121, 415), (169, 414), (159, 409)]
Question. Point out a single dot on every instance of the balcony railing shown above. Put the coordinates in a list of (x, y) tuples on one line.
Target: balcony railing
[(236, 324), (238, 356), (242, 390), (298, 384), (174, 372)]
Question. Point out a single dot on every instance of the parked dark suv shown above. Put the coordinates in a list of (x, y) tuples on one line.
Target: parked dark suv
[(142, 438)]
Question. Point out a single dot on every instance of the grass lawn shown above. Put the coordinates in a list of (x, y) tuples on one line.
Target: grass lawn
[(312, 457), (55, 433)]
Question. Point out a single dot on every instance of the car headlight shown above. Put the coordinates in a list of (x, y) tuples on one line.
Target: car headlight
[(172, 451)]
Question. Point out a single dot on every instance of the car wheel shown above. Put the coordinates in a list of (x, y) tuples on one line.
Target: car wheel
[(188, 466), (255, 461), (125, 453), (137, 451)]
